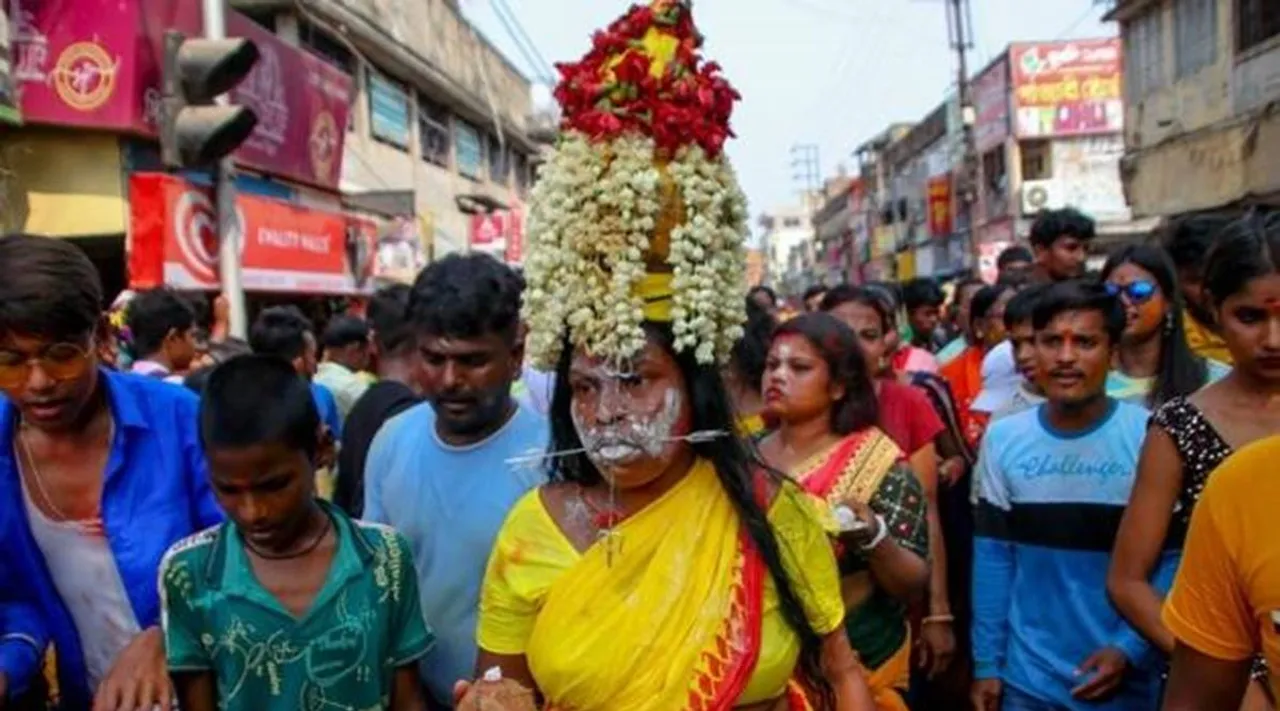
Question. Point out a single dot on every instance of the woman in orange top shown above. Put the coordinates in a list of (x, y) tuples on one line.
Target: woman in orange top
[(964, 374)]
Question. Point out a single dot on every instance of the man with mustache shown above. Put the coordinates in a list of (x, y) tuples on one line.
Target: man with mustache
[(1053, 482), (446, 472)]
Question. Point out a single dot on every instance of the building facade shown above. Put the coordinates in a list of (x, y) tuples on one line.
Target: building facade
[(786, 235), (385, 129), (833, 232), (878, 217), (1049, 134), (1202, 82), (437, 112)]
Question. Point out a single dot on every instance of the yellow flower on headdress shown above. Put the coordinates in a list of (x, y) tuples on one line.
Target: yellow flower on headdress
[(638, 216)]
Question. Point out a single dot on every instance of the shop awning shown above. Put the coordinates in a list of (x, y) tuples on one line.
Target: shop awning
[(286, 248)]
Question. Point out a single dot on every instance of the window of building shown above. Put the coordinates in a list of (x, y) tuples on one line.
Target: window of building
[(326, 47), (520, 169), (266, 19), (1256, 22), (433, 132), (499, 162), (388, 110), (1195, 35), (1144, 54), (994, 170), (468, 149), (323, 45), (1037, 160), (791, 223)]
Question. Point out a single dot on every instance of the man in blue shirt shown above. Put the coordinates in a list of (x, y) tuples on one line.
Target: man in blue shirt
[(1053, 482), (445, 473), (100, 472)]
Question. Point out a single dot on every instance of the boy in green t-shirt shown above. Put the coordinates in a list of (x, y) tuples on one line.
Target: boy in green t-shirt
[(290, 604)]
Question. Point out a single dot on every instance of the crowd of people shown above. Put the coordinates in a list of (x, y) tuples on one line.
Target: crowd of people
[(618, 481), (1065, 436)]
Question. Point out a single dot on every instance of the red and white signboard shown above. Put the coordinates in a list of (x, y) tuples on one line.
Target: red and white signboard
[(500, 232), (284, 247)]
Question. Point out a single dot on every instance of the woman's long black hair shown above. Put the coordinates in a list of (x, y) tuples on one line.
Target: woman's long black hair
[(751, 351), (838, 346), (1181, 372), (735, 462)]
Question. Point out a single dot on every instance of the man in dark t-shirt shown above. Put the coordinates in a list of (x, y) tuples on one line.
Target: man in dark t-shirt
[(395, 392)]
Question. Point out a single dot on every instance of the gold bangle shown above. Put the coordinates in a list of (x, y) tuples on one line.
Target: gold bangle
[(931, 619)]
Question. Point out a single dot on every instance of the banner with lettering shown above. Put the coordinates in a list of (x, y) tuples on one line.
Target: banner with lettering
[(284, 247), (941, 220), (1070, 88)]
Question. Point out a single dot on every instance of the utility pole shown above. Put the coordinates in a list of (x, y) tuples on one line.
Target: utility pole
[(199, 129), (959, 23), (806, 170), (229, 230)]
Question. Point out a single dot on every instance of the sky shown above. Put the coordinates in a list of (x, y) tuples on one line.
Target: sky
[(827, 72)]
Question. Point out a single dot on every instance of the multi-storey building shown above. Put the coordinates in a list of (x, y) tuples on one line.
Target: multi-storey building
[(382, 124), (1202, 83), (1048, 132), (782, 231), (437, 111)]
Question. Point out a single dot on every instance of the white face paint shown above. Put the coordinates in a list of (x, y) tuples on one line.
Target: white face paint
[(618, 435)]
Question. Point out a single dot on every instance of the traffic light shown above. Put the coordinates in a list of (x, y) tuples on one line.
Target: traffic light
[(194, 130)]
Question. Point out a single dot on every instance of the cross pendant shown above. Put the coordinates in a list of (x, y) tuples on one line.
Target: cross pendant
[(612, 542)]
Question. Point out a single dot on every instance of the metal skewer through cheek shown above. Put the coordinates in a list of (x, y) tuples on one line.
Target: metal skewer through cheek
[(696, 437)]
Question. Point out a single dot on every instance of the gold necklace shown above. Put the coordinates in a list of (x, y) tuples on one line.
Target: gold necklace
[(34, 468)]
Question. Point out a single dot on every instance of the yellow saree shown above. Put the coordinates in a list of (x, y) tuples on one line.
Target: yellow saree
[(683, 615)]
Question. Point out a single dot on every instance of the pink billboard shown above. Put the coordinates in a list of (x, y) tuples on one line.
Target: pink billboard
[(1069, 88), (96, 64)]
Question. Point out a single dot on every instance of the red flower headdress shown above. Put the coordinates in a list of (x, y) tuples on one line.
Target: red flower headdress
[(636, 215)]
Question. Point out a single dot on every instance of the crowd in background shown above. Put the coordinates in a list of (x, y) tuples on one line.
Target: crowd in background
[(1060, 482)]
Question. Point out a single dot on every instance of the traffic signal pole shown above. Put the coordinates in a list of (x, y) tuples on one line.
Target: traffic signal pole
[(229, 232)]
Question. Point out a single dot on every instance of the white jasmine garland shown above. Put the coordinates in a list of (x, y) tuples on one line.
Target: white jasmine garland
[(592, 214)]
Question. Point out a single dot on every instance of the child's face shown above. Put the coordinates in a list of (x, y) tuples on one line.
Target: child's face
[(266, 489)]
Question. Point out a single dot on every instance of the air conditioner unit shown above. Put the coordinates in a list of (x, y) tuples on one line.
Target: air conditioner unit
[(1040, 195)]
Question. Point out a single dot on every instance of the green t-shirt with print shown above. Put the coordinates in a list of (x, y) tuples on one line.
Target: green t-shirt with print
[(364, 624)]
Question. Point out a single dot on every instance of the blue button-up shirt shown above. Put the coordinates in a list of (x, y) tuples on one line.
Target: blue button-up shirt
[(155, 492)]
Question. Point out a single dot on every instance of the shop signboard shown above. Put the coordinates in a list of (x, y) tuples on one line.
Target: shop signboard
[(991, 105), (284, 247), (401, 252), (941, 221), (96, 64), (8, 91), (501, 232), (1070, 88)]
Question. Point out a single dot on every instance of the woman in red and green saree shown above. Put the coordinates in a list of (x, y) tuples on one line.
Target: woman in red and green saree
[(818, 391)]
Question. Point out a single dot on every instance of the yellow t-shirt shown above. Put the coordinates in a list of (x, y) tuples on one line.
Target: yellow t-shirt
[(532, 552), (1225, 602)]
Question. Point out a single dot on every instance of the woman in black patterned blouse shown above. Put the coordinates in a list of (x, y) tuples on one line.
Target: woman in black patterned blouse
[(1190, 435)]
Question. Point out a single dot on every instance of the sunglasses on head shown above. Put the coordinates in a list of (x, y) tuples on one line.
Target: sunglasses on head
[(1137, 292)]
